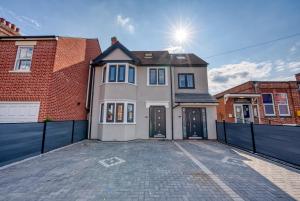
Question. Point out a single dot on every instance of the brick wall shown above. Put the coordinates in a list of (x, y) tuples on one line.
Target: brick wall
[(58, 77), (290, 88), (67, 94), (33, 86)]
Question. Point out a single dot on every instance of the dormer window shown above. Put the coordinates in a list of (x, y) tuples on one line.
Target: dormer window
[(180, 57), (23, 59), (148, 55)]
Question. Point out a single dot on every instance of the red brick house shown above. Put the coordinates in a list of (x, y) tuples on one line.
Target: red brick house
[(263, 102), (44, 77)]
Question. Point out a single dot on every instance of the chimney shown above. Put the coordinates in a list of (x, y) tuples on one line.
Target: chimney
[(8, 29), (114, 40)]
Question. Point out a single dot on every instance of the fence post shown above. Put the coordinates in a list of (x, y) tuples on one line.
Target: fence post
[(225, 135), (217, 130), (72, 139), (253, 139), (44, 136)]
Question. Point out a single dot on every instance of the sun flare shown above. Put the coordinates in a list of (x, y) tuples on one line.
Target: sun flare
[(181, 35)]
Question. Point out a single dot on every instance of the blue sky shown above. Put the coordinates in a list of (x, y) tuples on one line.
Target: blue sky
[(214, 26)]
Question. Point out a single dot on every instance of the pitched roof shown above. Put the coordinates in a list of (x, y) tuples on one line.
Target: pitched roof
[(187, 60), (154, 58), (117, 45), (194, 98), (158, 58)]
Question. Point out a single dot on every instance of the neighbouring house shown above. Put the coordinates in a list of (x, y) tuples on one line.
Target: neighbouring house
[(261, 102), (298, 77), (149, 94), (44, 77), (8, 29)]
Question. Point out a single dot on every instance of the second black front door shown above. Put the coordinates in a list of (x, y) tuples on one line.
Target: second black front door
[(194, 123), (157, 115)]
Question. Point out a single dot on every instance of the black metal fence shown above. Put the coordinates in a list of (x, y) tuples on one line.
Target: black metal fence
[(277, 141), (23, 140)]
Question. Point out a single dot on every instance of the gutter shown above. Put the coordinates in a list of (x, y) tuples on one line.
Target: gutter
[(91, 100), (172, 108)]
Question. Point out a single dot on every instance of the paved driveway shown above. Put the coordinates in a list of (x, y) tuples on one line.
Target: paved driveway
[(149, 170)]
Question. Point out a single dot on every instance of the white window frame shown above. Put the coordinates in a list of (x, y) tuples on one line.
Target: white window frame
[(127, 65), (157, 67), (18, 55), (287, 104), (269, 115), (125, 102)]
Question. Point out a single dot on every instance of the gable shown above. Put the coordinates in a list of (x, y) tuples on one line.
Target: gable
[(117, 54)]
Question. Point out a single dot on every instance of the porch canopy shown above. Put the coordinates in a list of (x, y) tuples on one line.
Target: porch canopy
[(195, 98), (245, 95)]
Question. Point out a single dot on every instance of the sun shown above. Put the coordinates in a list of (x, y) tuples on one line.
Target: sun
[(181, 35)]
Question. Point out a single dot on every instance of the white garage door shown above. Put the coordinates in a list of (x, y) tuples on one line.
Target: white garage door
[(11, 112)]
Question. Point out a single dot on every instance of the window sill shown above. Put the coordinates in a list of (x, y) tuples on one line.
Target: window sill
[(156, 85), (285, 116), (114, 123), (118, 83), (19, 71)]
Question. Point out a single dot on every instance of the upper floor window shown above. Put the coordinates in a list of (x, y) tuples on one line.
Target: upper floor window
[(157, 76), (131, 75), (186, 81), (268, 103), (23, 59), (119, 73), (282, 102)]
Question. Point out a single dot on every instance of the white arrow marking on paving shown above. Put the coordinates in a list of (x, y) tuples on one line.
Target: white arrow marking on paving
[(214, 177)]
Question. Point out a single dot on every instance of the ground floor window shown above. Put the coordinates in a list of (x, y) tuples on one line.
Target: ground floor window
[(268, 104), (282, 103), (117, 112)]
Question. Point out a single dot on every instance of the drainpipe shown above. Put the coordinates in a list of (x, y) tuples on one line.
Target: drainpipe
[(172, 116), (91, 99)]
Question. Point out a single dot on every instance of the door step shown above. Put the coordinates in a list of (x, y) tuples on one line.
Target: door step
[(159, 136), (195, 138)]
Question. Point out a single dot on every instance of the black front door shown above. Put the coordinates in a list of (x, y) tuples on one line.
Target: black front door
[(157, 121), (194, 123)]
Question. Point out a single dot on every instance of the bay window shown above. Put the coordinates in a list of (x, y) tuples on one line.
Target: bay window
[(117, 112), (119, 73), (268, 103)]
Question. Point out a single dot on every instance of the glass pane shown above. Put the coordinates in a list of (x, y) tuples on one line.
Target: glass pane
[(121, 73), (25, 52), (283, 109), (24, 64), (110, 112), (112, 73), (130, 112), (190, 81), (182, 81), (104, 75), (161, 76), (269, 110), (101, 112), (120, 112), (131, 75), (281, 98), (267, 98), (153, 76)]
